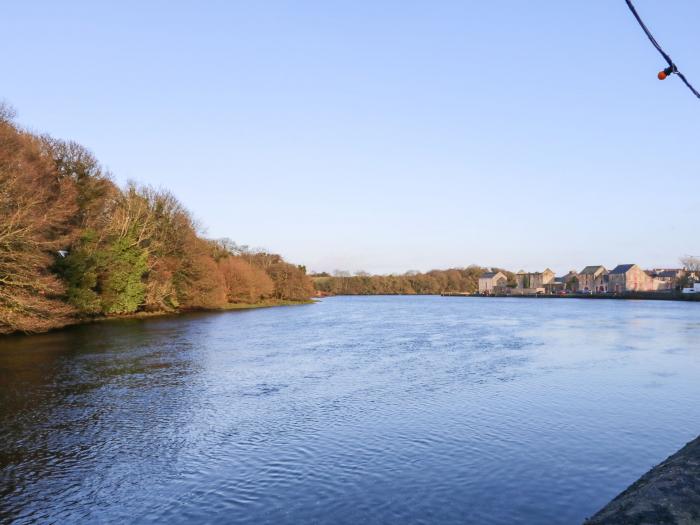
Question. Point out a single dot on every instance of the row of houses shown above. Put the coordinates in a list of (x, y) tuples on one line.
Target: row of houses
[(592, 279)]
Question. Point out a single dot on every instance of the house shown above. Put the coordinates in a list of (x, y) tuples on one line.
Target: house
[(629, 278), (571, 281), (665, 279), (557, 286), (492, 282), (533, 282), (593, 279)]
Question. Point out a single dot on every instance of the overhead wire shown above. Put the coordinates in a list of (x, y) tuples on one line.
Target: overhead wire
[(672, 69)]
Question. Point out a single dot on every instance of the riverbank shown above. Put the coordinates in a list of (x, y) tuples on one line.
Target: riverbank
[(226, 308), (629, 296), (668, 493), (147, 315)]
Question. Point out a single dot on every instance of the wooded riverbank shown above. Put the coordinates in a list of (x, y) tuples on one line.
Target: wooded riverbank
[(159, 314), (76, 247)]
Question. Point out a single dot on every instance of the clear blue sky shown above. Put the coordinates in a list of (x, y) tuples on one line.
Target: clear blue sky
[(384, 136)]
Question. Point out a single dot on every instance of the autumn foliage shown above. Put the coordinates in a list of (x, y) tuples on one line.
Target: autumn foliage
[(73, 244)]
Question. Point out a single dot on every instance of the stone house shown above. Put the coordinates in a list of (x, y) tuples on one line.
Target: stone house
[(664, 279), (571, 281), (593, 279), (492, 282), (533, 282), (629, 278), (555, 287)]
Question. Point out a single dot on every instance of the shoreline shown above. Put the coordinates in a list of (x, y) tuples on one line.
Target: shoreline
[(149, 315), (629, 296), (667, 493)]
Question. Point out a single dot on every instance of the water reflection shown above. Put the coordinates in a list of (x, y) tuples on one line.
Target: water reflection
[(376, 409)]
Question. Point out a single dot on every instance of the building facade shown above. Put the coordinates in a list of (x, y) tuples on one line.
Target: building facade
[(533, 282), (492, 282), (667, 279), (593, 279), (629, 278), (571, 281)]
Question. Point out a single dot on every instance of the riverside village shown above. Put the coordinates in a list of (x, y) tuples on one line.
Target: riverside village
[(625, 280)]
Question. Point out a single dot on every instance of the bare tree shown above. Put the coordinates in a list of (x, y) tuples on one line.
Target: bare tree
[(36, 208), (7, 112), (690, 263)]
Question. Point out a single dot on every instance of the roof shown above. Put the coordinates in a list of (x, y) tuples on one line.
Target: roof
[(592, 270), (490, 275), (534, 273), (622, 268), (668, 273)]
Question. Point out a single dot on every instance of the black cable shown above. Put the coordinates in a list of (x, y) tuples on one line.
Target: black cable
[(672, 69)]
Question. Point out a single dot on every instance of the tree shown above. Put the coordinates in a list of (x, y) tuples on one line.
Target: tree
[(291, 282), (7, 112), (36, 207), (79, 270), (244, 282), (122, 266), (96, 193), (690, 263), (73, 244)]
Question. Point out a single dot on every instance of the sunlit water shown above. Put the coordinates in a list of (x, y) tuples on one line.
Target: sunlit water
[(352, 410)]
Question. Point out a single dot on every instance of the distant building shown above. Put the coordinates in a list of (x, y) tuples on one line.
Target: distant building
[(694, 289), (571, 281), (629, 278), (533, 282), (593, 279), (667, 279), (556, 286), (492, 282)]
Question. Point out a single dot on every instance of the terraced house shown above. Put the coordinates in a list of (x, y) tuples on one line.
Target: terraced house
[(629, 278), (667, 279), (533, 282), (593, 279)]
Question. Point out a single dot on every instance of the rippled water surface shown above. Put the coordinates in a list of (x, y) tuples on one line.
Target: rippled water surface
[(352, 410)]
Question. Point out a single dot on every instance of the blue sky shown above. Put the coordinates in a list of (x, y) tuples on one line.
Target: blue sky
[(384, 136)]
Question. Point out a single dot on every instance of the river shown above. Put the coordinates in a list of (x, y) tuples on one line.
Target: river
[(352, 410)]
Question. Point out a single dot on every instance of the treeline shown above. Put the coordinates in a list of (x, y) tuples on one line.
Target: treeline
[(454, 280), (74, 245)]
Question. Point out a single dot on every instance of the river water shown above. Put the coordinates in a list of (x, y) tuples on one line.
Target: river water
[(351, 410)]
